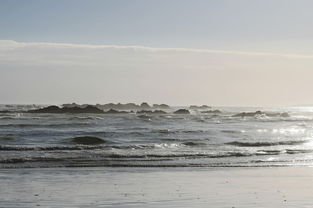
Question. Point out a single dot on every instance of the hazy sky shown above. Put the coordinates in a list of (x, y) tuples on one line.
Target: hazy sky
[(235, 52)]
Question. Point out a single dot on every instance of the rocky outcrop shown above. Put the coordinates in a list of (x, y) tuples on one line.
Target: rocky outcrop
[(99, 108), (161, 106), (145, 106), (7, 111), (112, 111), (127, 106), (87, 109), (261, 113), (249, 114), (70, 105), (49, 109), (202, 107), (56, 109), (182, 111), (119, 106), (212, 111), (151, 112)]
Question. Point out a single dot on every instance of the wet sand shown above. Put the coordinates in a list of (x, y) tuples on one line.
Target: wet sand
[(157, 187)]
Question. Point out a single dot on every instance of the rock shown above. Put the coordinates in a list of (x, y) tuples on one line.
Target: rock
[(71, 105), (110, 108), (144, 112), (56, 109), (87, 109), (49, 109), (119, 106), (248, 114), (182, 111), (277, 114), (131, 106), (212, 111), (161, 106), (151, 112), (6, 111), (159, 112), (195, 107), (87, 140), (112, 111), (260, 113), (145, 105)]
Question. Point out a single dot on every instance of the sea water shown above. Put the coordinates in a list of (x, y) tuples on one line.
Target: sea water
[(29, 140)]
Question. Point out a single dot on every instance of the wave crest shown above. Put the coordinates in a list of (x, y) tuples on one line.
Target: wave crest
[(264, 144)]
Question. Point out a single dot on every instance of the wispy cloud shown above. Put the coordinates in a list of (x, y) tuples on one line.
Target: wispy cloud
[(8, 47)]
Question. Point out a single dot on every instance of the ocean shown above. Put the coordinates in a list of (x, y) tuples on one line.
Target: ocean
[(40, 140)]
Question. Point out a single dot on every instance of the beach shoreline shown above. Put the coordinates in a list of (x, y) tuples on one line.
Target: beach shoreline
[(157, 187)]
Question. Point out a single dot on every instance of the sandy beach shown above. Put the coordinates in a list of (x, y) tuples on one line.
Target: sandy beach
[(155, 187)]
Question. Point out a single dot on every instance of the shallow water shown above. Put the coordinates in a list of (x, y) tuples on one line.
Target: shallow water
[(131, 140)]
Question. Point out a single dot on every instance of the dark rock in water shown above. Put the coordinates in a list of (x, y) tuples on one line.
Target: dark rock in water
[(6, 138), (87, 109), (144, 112), (110, 108), (151, 112), (260, 113), (112, 111), (161, 106), (6, 111), (88, 140), (195, 107), (130, 106), (212, 111), (248, 114), (118, 106), (56, 109), (182, 111), (71, 109), (106, 106), (159, 112), (70, 105), (145, 105), (49, 109), (190, 143), (277, 114)]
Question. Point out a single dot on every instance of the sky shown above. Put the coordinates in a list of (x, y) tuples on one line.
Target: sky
[(180, 52)]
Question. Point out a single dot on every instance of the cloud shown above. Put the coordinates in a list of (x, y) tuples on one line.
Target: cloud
[(36, 53)]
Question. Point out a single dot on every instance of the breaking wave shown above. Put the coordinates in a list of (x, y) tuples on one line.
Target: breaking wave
[(44, 125), (264, 144)]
